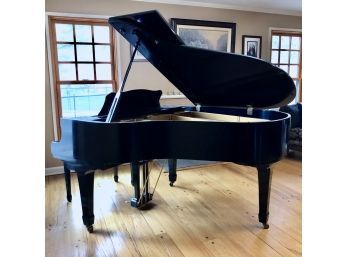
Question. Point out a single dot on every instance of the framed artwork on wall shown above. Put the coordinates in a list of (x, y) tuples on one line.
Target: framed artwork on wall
[(251, 45), (213, 35)]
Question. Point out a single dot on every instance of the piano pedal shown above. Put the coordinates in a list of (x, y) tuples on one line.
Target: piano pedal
[(144, 200)]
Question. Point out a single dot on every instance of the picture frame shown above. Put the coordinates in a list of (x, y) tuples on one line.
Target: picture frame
[(213, 35), (138, 56), (251, 46)]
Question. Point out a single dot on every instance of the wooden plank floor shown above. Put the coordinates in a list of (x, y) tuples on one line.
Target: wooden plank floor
[(211, 211)]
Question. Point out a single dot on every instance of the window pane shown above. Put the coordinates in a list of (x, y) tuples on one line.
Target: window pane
[(296, 43), (294, 57), (64, 32), (284, 67), (293, 71), (83, 33), (101, 34), (67, 72), (84, 53), (83, 100), (296, 82), (284, 57), (103, 71), (65, 52), (274, 56), (275, 42), (85, 71), (285, 42), (102, 53)]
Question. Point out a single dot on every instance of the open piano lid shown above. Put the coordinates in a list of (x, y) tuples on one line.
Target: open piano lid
[(205, 77)]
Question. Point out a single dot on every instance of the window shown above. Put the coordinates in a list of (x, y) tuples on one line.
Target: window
[(83, 62), (286, 52)]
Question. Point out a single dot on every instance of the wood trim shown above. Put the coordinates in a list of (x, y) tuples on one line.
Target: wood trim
[(113, 56), (286, 33), (77, 20), (55, 73)]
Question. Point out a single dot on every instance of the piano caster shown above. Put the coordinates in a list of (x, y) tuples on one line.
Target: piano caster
[(171, 184), (265, 225), (90, 228), (69, 198), (116, 174)]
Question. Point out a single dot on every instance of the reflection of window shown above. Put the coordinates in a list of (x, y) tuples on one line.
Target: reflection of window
[(286, 50), (83, 64)]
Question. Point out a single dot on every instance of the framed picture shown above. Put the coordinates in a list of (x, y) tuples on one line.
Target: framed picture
[(214, 35), (251, 45), (138, 56)]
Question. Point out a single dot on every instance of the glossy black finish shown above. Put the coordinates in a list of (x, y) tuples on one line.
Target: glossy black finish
[(67, 183), (116, 174), (264, 178), (91, 144), (206, 77), (172, 171), (86, 185)]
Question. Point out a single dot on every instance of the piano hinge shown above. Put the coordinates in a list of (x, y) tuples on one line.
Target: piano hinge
[(249, 110), (198, 107)]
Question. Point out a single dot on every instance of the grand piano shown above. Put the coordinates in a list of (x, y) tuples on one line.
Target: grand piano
[(231, 119)]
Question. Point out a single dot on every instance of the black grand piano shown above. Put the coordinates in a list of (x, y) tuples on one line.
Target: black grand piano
[(230, 120)]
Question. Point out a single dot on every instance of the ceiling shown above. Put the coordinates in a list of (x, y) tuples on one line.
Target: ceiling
[(289, 7)]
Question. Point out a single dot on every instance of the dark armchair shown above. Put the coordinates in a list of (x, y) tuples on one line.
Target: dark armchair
[(295, 134)]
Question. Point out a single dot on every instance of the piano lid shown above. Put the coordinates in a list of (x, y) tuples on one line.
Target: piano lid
[(205, 77)]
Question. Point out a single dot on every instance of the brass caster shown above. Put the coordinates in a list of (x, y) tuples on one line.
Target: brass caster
[(265, 225), (90, 228)]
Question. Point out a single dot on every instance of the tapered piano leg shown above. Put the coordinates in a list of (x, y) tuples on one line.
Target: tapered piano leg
[(265, 178), (67, 183), (86, 184), (116, 174), (172, 171)]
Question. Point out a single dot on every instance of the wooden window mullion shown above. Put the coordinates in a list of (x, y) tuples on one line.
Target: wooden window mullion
[(75, 50), (93, 49)]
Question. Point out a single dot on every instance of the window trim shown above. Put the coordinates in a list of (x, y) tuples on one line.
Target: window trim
[(52, 58)]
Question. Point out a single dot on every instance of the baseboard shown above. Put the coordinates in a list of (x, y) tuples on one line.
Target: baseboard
[(54, 171)]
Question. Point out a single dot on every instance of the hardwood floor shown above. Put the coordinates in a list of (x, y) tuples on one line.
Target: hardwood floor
[(211, 211)]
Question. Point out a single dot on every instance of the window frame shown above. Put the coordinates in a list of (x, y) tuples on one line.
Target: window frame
[(288, 32), (53, 62)]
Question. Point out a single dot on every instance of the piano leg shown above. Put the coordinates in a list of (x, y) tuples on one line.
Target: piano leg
[(67, 183), (86, 184), (172, 171), (116, 174), (265, 178)]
